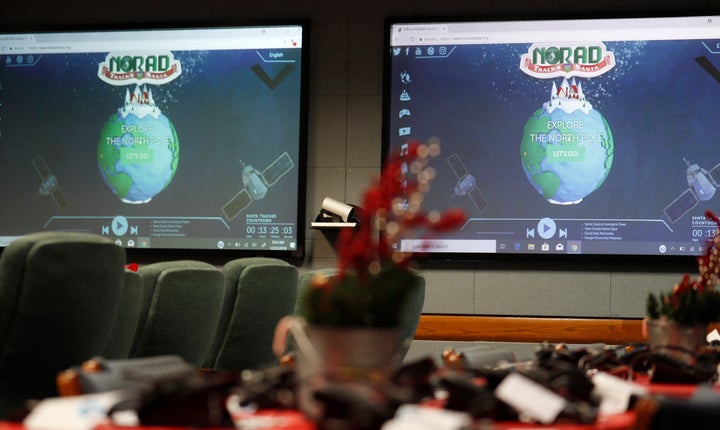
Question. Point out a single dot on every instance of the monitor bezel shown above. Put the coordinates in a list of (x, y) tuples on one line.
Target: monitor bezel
[(532, 261), (215, 255)]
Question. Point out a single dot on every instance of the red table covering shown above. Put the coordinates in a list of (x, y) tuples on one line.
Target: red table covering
[(291, 420)]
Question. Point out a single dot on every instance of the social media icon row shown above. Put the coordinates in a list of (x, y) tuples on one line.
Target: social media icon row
[(419, 51)]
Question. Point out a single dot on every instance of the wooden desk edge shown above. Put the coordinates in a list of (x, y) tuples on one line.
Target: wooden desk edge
[(529, 329)]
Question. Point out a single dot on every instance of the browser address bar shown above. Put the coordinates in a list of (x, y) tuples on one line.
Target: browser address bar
[(540, 36), (125, 46)]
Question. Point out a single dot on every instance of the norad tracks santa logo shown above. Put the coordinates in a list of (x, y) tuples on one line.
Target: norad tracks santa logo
[(138, 151), (567, 147), (546, 61), (126, 68)]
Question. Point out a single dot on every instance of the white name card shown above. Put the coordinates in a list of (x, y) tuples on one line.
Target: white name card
[(530, 398)]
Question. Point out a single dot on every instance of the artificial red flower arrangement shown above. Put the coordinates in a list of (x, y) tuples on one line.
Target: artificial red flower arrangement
[(693, 301), (374, 279)]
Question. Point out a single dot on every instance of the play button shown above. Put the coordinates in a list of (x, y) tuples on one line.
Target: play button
[(119, 225), (546, 228)]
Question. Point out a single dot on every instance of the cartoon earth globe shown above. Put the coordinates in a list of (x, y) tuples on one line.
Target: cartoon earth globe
[(567, 147), (138, 149)]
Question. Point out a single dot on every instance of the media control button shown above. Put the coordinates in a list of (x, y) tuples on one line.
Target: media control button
[(546, 228), (119, 225)]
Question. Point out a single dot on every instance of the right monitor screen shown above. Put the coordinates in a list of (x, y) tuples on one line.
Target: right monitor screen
[(562, 136)]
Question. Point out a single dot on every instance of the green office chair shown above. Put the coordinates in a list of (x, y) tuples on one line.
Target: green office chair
[(128, 315), (305, 281), (700, 411), (180, 309), (259, 291), (59, 294)]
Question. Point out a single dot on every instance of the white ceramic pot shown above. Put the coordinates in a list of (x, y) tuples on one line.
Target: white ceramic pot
[(356, 358), (679, 342)]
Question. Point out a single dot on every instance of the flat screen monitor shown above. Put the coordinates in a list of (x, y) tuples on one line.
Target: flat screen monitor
[(561, 136), (160, 139)]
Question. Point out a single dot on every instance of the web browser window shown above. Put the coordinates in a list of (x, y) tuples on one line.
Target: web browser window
[(562, 136), (160, 138)]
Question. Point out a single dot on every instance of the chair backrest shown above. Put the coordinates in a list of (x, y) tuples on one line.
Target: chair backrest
[(180, 309), (305, 280), (669, 413), (128, 315), (259, 291), (59, 294)]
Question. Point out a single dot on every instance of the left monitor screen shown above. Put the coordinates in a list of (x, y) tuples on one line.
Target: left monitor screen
[(166, 139)]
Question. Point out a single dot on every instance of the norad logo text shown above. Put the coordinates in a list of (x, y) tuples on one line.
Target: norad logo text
[(546, 61), (128, 68)]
